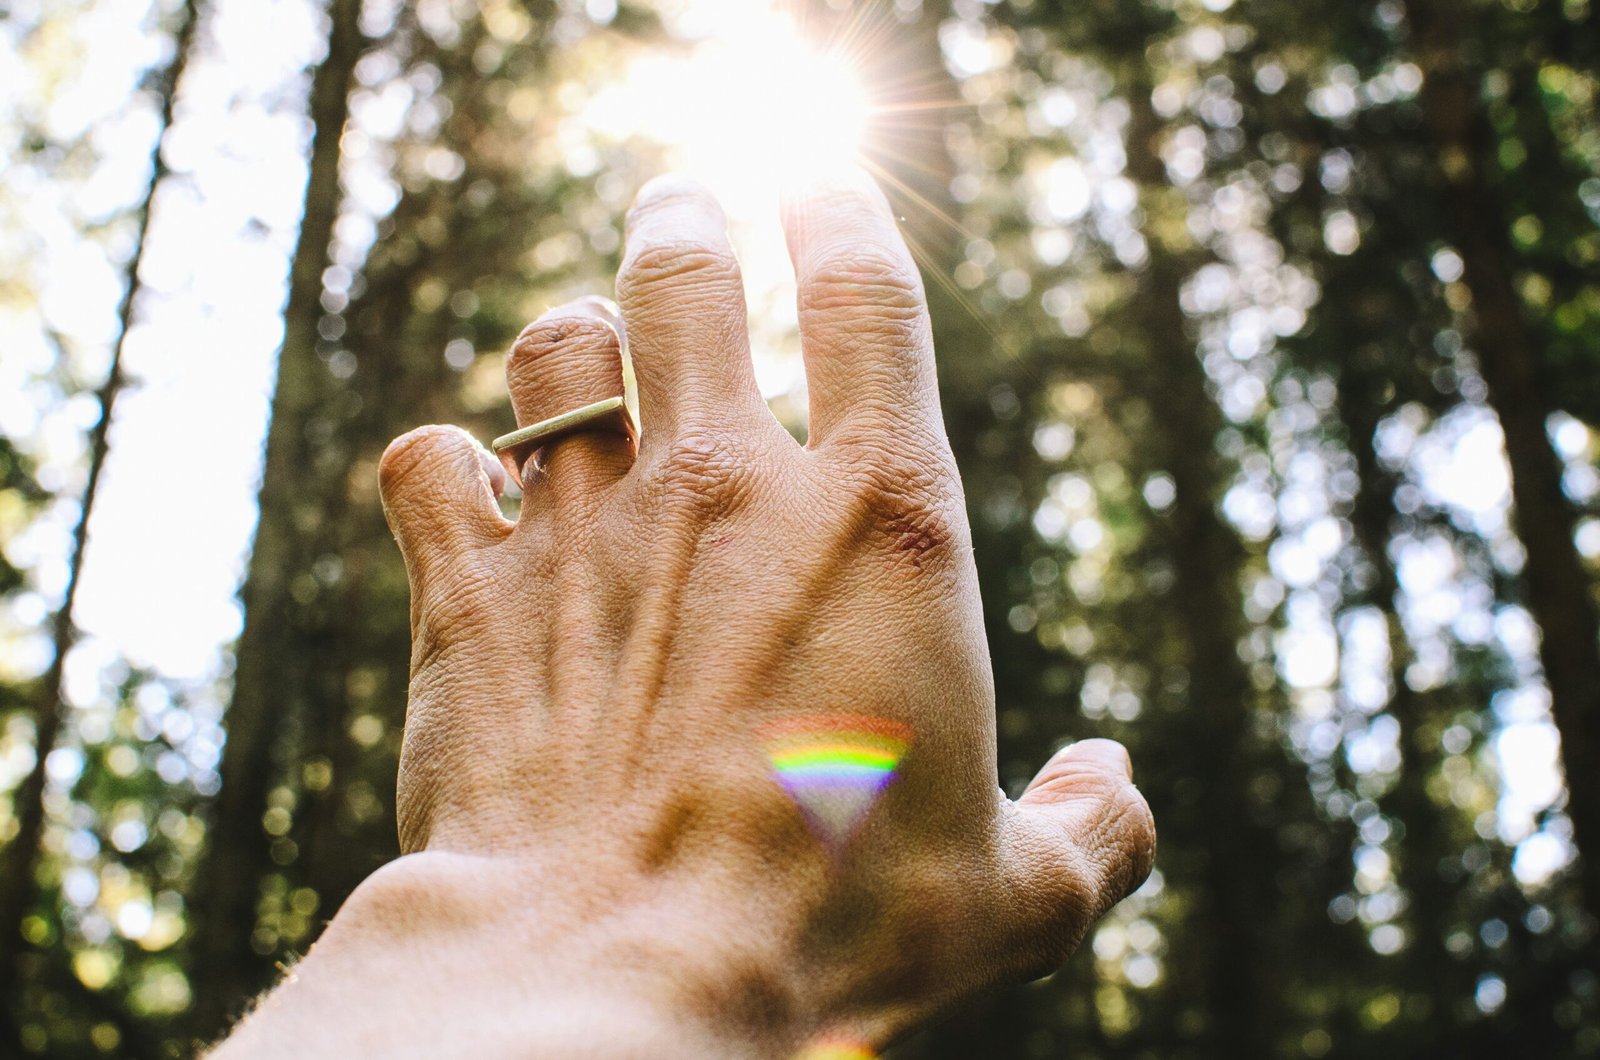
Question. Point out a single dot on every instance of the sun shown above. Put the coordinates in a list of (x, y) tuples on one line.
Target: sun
[(750, 106), (803, 108)]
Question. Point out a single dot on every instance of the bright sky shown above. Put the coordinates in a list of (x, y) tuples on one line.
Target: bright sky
[(177, 507), (176, 510)]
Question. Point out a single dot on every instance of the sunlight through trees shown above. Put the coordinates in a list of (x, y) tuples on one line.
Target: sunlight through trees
[(1269, 338)]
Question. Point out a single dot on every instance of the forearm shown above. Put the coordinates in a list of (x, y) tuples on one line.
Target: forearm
[(441, 956)]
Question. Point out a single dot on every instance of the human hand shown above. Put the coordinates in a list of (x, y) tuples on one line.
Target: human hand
[(589, 794)]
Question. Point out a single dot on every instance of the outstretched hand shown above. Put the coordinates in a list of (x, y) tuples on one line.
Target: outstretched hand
[(699, 756)]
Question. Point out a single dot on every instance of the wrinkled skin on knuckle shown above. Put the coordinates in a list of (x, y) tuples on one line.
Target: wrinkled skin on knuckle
[(1057, 909), (865, 290), (1083, 880), (1056, 928), (1120, 844), (705, 471), (881, 387), (676, 272), (1135, 828), (907, 507), (459, 609), (1046, 953)]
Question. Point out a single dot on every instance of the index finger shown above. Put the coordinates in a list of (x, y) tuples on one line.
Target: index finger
[(864, 325)]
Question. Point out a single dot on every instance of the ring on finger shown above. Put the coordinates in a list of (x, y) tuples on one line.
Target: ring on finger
[(516, 448)]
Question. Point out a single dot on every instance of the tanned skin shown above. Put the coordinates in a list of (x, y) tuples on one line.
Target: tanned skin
[(598, 859)]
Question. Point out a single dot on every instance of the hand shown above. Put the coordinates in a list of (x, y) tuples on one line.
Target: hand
[(598, 831)]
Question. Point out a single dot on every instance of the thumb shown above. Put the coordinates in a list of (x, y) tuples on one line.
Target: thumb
[(1081, 839), (439, 488)]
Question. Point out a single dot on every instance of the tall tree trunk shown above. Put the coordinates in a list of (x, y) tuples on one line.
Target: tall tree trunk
[(1559, 592), (21, 855), (225, 969), (1434, 906), (1206, 556)]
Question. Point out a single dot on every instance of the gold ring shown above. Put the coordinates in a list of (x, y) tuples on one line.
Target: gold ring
[(515, 448)]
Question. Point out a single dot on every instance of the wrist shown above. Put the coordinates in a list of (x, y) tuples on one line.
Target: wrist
[(437, 954)]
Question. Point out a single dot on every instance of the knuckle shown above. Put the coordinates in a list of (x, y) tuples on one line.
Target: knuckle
[(704, 469), (561, 337), (1051, 940), (908, 506), (1053, 913), (1082, 878), (1136, 842), (1070, 911), (1116, 857), (457, 612), (882, 290), (674, 265)]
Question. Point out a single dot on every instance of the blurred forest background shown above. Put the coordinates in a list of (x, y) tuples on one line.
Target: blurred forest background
[(1270, 344)]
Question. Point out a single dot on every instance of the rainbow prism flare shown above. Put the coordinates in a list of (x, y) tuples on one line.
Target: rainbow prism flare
[(835, 766), (836, 1049)]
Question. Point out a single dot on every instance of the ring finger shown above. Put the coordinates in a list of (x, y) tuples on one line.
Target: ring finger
[(569, 359)]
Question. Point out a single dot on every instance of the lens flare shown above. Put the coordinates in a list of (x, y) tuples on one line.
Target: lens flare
[(836, 1049), (745, 108), (818, 110), (835, 766)]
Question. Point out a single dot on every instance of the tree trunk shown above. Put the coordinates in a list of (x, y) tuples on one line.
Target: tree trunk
[(1206, 557), (225, 969), (21, 856), (1559, 593), (1434, 904)]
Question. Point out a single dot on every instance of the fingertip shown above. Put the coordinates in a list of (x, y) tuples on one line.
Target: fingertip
[(809, 193), (593, 305), (416, 454), (663, 185), (670, 188), (1109, 755), (1095, 768), (846, 177), (557, 325), (569, 358), (431, 481)]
